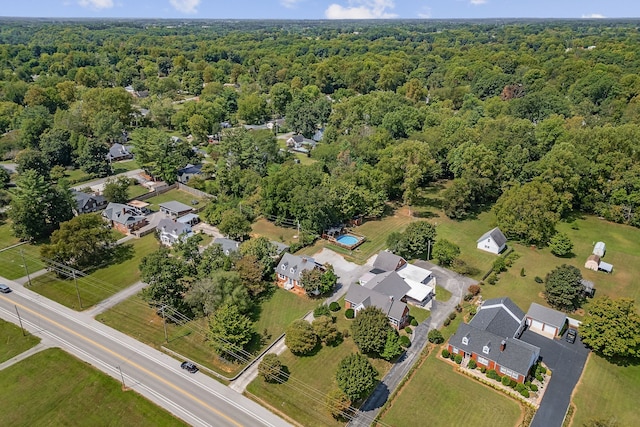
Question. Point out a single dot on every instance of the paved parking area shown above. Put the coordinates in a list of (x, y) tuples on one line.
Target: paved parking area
[(347, 272), (566, 362)]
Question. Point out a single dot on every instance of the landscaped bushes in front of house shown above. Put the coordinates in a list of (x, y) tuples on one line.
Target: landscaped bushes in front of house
[(458, 359), (349, 313), (445, 353), (472, 364), (334, 306)]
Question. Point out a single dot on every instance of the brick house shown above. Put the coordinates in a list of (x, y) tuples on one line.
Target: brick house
[(124, 218), (491, 338)]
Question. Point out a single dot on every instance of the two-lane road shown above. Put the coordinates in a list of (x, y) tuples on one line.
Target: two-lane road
[(197, 399)]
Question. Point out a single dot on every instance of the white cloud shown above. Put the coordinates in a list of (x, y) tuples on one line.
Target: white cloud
[(477, 2), (185, 6), (425, 14), (96, 4), (289, 3), (593, 16), (362, 9)]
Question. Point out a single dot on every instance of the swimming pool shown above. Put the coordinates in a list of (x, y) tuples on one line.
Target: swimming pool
[(347, 240)]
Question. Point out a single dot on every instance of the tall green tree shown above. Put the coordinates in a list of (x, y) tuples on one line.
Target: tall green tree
[(445, 252), (117, 190), (415, 241), (356, 376), (369, 330), (300, 337), (160, 155), (612, 327), (35, 160), (270, 367), (234, 224), (220, 288), (563, 288), (230, 331), (93, 158), (164, 275)]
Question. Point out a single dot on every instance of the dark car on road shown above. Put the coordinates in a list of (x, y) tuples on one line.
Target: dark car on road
[(4, 289), (189, 366), (571, 336)]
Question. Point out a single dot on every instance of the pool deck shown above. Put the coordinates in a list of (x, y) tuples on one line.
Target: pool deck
[(360, 240)]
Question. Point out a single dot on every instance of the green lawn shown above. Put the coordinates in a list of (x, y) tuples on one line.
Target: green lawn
[(177, 195), (420, 314), (438, 396), (12, 265), (310, 375), (607, 392), (282, 308), (442, 294), (101, 283), (77, 176), (6, 235), (13, 341), (137, 190), (264, 228), (125, 166), (35, 393)]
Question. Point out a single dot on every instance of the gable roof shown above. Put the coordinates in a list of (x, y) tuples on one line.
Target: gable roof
[(175, 206), (391, 285), (190, 170), (392, 307), (228, 245), (387, 261), (82, 199), (496, 235), (499, 316), (172, 227), (547, 315), (121, 214), (118, 150), (280, 247), (294, 265)]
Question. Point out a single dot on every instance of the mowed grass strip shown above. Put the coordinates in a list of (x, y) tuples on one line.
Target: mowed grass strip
[(12, 263), (6, 235), (13, 342), (101, 283), (607, 392), (279, 309), (264, 228), (302, 396), (438, 396), (54, 388), (177, 195)]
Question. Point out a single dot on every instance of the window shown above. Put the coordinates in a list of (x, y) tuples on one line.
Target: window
[(284, 267), (292, 270), (483, 361), (465, 340), (509, 372), (486, 349)]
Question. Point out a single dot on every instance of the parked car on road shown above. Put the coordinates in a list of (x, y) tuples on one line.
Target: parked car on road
[(4, 289), (189, 366), (571, 335)]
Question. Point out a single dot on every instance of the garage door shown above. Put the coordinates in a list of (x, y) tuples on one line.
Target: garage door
[(550, 329), (536, 325)]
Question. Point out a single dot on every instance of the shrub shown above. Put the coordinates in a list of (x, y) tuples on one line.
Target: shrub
[(459, 308), (492, 279), (533, 387), (527, 384), (472, 364), (349, 313), (473, 311), (446, 322), (492, 374), (445, 353), (483, 369), (435, 336), (405, 341), (270, 367), (499, 265), (474, 289), (539, 377), (468, 297), (408, 330), (458, 359), (414, 322), (512, 383), (452, 315), (334, 306), (321, 310), (520, 387), (522, 272), (525, 393), (538, 279), (505, 380)]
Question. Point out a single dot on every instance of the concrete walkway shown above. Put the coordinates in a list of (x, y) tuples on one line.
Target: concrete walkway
[(24, 280), (115, 299), (42, 345)]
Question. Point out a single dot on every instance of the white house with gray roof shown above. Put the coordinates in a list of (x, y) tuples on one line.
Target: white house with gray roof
[(491, 338), (229, 246), (545, 321), (492, 241), (289, 271), (171, 232)]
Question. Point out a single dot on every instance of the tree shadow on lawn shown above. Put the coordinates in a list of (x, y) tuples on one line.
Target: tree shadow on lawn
[(376, 399), (122, 253), (621, 361)]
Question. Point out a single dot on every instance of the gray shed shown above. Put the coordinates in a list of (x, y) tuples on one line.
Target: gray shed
[(599, 249)]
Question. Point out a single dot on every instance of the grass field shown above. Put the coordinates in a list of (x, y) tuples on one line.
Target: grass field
[(13, 342), (302, 396), (267, 229), (439, 396), (137, 190), (101, 283), (607, 392), (12, 265), (177, 195), (280, 309), (420, 314), (34, 393), (124, 166), (6, 235)]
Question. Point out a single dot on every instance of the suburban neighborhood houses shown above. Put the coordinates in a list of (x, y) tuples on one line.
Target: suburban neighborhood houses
[(379, 222)]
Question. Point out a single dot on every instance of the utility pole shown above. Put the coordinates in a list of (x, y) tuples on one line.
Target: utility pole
[(124, 387), (429, 250), (164, 325), (24, 334), (25, 267), (75, 280)]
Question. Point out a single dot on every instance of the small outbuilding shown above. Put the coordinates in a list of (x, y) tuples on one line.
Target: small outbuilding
[(175, 209), (545, 321), (599, 249), (493, 241), (592, 262), (588, 288)]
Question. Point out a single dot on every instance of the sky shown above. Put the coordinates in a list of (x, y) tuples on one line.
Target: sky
[(321, 9)]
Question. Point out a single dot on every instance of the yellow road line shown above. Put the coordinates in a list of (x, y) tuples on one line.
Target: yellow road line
[(146, 371)]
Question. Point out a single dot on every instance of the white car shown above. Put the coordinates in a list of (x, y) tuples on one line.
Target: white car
[(4, 289)]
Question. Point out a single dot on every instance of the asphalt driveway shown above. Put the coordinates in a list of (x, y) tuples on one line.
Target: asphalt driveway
[(566, 362)]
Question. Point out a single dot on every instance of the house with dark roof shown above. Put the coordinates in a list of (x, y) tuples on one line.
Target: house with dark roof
[(118, 152), (124, 218), (491, 338), (228, 246), (175, 209), (86, 202), (289, 271), (300, 143), (492, 241), (386, 291), (545, 321), (188, 172), (171, 231)]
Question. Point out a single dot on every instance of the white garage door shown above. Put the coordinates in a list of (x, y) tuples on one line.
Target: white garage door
[(536, 325), (550, 329)]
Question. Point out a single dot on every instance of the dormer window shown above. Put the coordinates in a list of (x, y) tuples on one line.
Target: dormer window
[(283, 267), (292, 270), (465, 340), (486, 349)]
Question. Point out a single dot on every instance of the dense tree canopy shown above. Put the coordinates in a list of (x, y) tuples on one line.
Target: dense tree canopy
[(612, 327), (369, 330), (563, 288), (356, 376)]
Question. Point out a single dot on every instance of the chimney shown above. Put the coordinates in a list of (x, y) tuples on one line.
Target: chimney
[(124, 210), (304, 259), (391, 298), (503, 345)]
